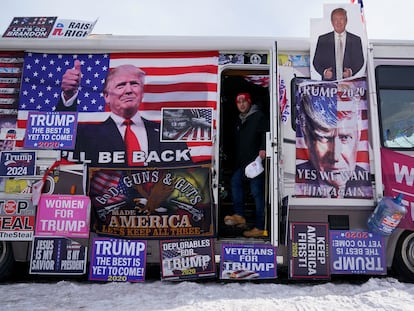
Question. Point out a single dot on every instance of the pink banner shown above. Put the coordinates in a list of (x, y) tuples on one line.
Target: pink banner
[(398, 177), (63, 215)]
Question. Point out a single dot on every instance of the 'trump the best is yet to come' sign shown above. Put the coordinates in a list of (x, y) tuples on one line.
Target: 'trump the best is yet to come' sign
[(55, 130), (118, 260)]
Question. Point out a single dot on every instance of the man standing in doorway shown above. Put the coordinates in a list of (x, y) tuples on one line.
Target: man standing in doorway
[(249, 143)]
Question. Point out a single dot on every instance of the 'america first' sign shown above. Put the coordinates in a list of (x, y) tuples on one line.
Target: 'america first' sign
[(51, 130), (309, 251)]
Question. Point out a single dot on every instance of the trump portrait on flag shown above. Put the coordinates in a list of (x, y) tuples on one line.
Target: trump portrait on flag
[(119, 123)]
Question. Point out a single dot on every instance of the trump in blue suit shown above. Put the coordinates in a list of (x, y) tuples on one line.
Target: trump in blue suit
[(103, 143), (325, 60)]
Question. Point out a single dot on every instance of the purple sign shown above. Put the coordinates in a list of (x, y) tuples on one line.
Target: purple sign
[(309, 251), (117, 260), (246, 262), (357, 252), (17, 163), (187, 259), (51, 130)]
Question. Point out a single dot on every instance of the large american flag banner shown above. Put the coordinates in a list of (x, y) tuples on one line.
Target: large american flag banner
[(173, 79), (42, 78)]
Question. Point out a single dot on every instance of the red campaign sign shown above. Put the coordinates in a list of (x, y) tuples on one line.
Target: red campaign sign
[(398, 177), (16, 228), (17, 219)]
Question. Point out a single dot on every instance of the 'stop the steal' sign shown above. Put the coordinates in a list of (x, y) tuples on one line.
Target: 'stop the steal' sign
[(51, 130)]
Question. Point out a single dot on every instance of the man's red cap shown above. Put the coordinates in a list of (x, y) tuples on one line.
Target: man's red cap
[(243, 96)]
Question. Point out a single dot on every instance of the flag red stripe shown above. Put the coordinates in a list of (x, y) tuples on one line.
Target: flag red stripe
[(12, 54), (166, 71), (364, 135), (363, 156), (197, 54), (302, 154), (179, 87), (200, 157)]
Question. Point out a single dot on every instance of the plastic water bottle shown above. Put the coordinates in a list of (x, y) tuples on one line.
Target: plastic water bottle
[(387, 215)]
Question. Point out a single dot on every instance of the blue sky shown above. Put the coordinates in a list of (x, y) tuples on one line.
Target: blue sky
[(290, 18)]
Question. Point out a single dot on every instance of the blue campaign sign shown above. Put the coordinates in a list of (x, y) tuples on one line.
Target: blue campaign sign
[(246, 262), (357, 252), (58, 256), (117, 260), (51, 130), (17, 163)]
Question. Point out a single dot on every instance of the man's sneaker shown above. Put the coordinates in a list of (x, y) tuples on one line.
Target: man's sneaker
[(235, 220), (254, 233)]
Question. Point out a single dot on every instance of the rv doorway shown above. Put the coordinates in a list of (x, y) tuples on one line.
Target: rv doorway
[(234, 81)]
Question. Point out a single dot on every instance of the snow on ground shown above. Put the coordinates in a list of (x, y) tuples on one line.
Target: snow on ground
[(373, 294)]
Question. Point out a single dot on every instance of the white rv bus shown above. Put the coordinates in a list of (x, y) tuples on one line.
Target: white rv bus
[(268, 69)]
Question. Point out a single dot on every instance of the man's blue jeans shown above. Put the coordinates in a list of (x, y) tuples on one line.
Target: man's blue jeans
[(257, 190)]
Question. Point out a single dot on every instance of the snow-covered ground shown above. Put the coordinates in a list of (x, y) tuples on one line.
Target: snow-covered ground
[(373, 294)]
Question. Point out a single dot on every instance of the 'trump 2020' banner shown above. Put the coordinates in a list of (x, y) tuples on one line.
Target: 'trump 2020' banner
[(332, 157), (155, 203), (398, 177)]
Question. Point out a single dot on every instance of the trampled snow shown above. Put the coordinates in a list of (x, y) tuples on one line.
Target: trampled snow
[(373, 294)]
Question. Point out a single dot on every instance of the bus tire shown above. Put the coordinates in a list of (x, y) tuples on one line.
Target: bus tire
[(6, 260), (403, 262)]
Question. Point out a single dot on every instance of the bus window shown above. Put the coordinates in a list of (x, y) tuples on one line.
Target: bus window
[(395, 91)]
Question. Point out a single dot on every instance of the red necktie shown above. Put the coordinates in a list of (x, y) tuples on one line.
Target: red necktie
[(131, 142)]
